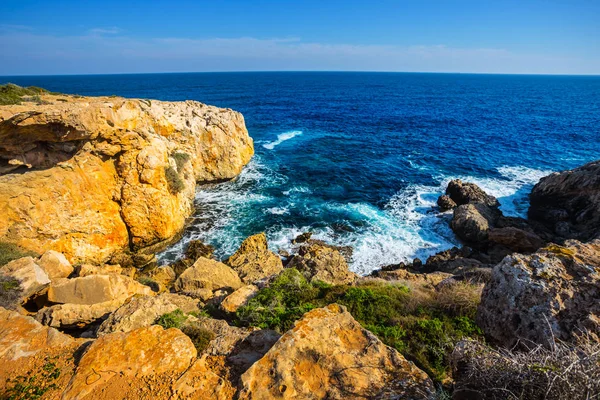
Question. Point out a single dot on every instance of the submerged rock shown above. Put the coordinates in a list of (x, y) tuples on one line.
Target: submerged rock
[(100, 176), (253, 260), (328, 355), (552, 293), (568, 203)]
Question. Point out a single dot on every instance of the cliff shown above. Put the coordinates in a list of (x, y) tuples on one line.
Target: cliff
[(97, 178)]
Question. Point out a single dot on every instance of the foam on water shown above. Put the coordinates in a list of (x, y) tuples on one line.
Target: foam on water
[(281, 138)]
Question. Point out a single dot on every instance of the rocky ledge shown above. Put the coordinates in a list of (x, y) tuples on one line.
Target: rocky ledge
[(101, 178)]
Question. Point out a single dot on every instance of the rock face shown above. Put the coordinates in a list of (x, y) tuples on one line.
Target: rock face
[(140, 312), (140, 353), (94, 289), (206, 276), (568, 203), (468, 193), (22, 336), (328, 355), (253, 260), (98, 176), (322, 263), (553, 292)]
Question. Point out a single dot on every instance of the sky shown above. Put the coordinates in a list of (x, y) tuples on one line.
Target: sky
[(484, 36)]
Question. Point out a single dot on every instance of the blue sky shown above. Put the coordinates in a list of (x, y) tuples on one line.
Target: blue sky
[(487, 36)]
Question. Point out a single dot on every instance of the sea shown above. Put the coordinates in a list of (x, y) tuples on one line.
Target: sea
[(359, 159)]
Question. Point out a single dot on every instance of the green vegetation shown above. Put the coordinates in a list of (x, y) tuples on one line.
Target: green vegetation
[(10, 252), (173, 180), (180, 159), (199, 336), (14, 94), (10, 292), (423, 325), (33, 386), (151, 283)]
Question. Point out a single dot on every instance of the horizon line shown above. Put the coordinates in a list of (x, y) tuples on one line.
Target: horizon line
[(300, 71)]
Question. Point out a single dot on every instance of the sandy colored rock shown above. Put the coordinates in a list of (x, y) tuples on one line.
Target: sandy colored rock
[(206, 276), (164, 276), (99, 174), (253, 260), (55, 265), (140, 353), (87, 270), (319, 262), (94, 289), (428, 279), (29, 274), (22, 336), (204, 381), (328, 355), (238, 298), (551, 293), (140, 312), (70, 316)]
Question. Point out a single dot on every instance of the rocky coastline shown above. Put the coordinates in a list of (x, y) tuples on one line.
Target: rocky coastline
[(92, 188)]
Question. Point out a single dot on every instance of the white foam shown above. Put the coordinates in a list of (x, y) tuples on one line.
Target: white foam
[(282, 138)]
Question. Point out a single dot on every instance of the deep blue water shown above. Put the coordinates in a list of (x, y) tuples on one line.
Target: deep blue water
[(359, 158)]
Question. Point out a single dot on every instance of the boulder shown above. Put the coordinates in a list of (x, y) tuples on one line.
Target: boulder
[(22, 336), (206, 276), (471, 222), (55, 264), (141, 353), (206, 379), (164, 276), (87, 270), (76, 316), (445, 203), (552, 293), (568, 203), (253, 260), (94, 289), (140, 312), (328, 355), (100, 177), (238, 298), (197, 249), (515, 239), (322, 263), (30, 275), (469, 193)]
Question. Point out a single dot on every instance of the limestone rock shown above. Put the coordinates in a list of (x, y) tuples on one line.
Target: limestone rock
[(468, 193), (204, 381), (445, 203), (140, 312), (87, 270), (238, 298), (328, 355), (568, 203), (71, 316), (22, 336), (197, 249), (140, 353), (253, 260), (55, 264), (322, 263), (94, 289), (29, 274), (206, 276), (164, 276), (553, 292), (100, 176)]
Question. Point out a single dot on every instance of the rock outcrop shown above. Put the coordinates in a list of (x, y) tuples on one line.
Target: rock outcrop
[(205, 277), (76, 316), (318, 262), (253, 260), (328, 355), (568, 202), (552, 293), (238, 298), (95, 178)]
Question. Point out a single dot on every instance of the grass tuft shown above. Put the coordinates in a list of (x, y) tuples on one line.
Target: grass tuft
[(10, 252), (174, 182)]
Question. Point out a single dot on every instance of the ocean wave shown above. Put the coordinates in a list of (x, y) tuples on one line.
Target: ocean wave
[(282, 138)]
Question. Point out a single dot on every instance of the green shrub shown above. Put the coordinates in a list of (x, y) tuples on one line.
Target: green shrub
[(10, 292), (180, 159), (174, 319), (423, 326), (10, 252), (174, 182), (200, 336), (151, 283), (14, 94)]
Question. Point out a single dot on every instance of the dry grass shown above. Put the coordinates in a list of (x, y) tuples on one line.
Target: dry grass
[(566, 371)]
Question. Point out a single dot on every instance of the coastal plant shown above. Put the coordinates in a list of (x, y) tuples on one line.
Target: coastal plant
[(10, 252), (180, 159), (15, 94), (174, 319), (10, 292), (35, 384), (174, 181), (200, 337), (565, 371)]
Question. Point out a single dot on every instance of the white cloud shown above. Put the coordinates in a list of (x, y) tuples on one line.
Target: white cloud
[(105, 50)]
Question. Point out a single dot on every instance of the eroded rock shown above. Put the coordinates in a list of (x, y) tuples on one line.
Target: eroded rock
[(205, 277), (322, 263), (253, 260), (238, 298)]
